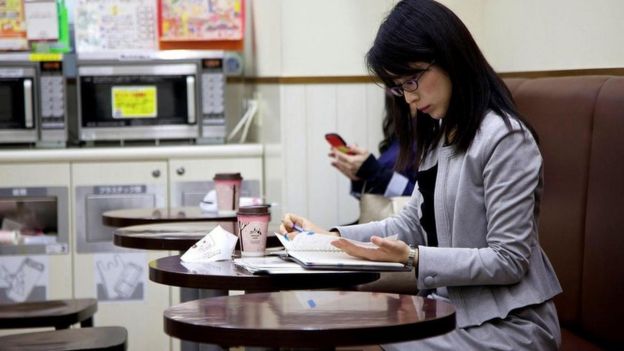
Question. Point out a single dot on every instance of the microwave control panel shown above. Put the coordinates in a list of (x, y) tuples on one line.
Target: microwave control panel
[(213, 88), (52, 92), (212, 101)]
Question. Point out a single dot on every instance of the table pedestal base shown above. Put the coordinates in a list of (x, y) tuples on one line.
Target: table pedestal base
[(187, 294)]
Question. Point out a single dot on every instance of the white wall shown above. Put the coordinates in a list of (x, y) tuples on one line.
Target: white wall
[(536, 35), (330, 37), (314, 38)]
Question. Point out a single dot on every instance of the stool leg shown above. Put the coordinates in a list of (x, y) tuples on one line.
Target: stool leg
[(87, 323)]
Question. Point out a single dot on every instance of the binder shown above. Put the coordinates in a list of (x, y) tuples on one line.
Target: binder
[(314, 252)]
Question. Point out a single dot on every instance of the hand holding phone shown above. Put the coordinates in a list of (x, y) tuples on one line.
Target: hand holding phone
[(338, 142)]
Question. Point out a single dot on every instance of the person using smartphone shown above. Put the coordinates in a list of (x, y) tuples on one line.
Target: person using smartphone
[(372, 175), (477, 244)]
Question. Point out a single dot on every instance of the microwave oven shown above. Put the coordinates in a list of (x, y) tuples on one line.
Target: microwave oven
[(163, 95), (32, 101)]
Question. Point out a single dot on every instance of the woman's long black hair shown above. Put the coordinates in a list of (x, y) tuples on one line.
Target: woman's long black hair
[(426, 31)]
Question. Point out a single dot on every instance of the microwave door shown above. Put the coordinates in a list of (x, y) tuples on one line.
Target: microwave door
[(17, 111)]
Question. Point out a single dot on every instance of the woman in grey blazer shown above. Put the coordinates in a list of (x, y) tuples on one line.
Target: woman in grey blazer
[(471, 225)]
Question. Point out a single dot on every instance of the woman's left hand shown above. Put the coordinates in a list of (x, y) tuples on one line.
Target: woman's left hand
[(387, 250)]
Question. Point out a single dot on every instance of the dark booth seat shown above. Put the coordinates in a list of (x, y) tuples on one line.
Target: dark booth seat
[(580, 122)]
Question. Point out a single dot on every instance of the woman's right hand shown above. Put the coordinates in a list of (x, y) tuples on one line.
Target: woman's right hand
[(349, 164), (290, 219)]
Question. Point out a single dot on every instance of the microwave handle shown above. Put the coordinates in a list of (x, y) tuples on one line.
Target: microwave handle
[(28, 99), (190, 98)]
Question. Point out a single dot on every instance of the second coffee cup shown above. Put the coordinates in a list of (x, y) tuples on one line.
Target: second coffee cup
[(227, 186)]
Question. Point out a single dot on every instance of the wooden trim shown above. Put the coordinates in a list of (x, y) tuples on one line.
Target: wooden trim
[(302, 80), (369, 79), (565, 73)]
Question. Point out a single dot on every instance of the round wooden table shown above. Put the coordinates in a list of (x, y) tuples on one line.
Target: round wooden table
[(138, 216), (162, 236), (309, 319), (226, 275), (169, 236), (60, 314), (97, 338)]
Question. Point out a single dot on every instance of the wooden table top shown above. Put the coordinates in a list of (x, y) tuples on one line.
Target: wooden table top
[(98, 338), (169, 236), (138, 216), (225, 275), (310, 319), (162, 236), (50, 313)]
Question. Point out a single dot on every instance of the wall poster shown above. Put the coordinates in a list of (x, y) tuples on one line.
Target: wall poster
[(188, 20), (120, 276), (23, 278), (115, 25), (12, 26)]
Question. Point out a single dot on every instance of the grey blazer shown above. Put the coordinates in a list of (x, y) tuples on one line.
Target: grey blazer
[(486, 205)]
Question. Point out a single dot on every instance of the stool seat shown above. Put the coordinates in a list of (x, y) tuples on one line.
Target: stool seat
[(60, 314), (98, 338)]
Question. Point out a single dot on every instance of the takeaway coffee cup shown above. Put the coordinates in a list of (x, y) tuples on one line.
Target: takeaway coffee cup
[(253, 223), (227, 186)]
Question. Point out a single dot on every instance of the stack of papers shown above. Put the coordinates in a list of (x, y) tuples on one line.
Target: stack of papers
[(270, 265)]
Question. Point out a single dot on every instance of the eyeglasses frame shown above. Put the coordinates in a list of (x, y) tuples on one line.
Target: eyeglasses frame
[(399, 89)]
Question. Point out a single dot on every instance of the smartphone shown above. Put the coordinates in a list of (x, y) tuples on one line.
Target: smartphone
[(338, 142)]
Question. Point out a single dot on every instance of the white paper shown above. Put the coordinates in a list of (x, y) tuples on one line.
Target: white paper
[(116, 25), (41, 20), (310, 241), (217, 245)]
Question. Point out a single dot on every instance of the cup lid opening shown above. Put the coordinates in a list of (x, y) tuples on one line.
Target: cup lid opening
[(227, 176), (255, 209)]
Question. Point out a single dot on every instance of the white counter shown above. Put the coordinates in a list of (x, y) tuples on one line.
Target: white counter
[(142, 153)]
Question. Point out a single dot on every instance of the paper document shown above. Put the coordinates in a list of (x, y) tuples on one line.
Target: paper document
[(270, 265), (315, 251)]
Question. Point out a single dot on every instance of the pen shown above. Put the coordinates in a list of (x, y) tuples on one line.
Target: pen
[(297, 228)]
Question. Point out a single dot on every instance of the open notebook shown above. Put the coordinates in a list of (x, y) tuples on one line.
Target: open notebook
[(315, 251)]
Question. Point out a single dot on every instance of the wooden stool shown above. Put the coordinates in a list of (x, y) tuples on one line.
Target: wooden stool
[(60, 314), (98, 338)]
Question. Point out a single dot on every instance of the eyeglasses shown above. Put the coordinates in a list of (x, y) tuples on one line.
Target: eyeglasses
[(410, 85)]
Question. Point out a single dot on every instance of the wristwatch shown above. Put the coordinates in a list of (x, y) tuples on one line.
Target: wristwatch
[(413, 252)]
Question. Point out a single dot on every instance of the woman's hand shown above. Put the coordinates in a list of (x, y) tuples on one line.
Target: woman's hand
[(290, 220), (388, 250), (349, 164)]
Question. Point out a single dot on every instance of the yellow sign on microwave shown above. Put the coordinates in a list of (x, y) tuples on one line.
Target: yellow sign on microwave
[(134, 101)]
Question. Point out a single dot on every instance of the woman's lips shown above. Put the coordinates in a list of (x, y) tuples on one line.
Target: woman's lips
[(425, 109)]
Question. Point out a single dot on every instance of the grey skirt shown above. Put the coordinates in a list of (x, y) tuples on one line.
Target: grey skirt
[(530, 328)]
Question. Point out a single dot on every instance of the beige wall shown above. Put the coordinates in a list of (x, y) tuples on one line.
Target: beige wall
[(330, 37), (536, 35)]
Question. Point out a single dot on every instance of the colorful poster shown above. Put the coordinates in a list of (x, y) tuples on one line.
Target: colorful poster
[(201, 20), (12, 26), (115, 25)]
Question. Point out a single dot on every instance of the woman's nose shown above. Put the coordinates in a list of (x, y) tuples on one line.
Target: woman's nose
[(410, 97)]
